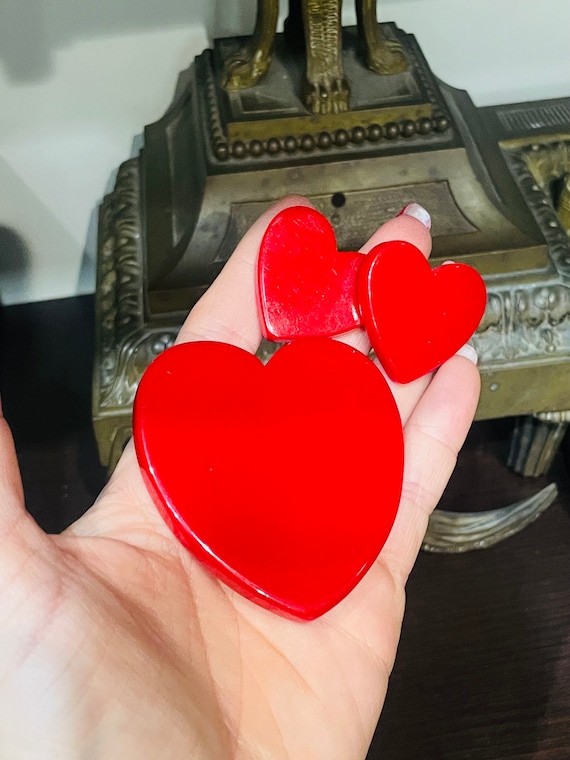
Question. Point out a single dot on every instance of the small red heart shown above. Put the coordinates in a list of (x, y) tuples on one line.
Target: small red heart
[(283, 479), (306, 287), (416, 317)]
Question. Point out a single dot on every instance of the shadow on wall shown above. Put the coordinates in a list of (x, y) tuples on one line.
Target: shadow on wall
[(32, 31), (14, 263)]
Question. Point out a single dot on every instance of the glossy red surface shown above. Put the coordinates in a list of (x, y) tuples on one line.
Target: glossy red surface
[(416, 317), (283, 479), (306, 287)]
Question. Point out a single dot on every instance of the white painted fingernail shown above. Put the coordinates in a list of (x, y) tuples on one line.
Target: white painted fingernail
[(469, 353), (417, 212)]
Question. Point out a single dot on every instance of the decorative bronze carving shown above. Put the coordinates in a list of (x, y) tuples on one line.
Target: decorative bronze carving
[(325, 89), (527, 323), (529, 320), (125, 344)]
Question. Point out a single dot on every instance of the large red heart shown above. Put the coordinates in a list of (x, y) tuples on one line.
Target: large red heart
[(283, 479), (306, 287), (416, 317)]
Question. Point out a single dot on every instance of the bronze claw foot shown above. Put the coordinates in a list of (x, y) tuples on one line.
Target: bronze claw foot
[(326, 95), (387, 57), (244, 69)]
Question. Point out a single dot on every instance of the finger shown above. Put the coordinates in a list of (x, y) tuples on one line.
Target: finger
[(412, 224), (227, 312), (433, 436)]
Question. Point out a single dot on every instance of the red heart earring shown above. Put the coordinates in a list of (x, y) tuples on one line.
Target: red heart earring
[(416, 317), (284, 479), (306, 287)]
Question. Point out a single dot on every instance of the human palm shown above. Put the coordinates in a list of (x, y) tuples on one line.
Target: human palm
[(117, 643)]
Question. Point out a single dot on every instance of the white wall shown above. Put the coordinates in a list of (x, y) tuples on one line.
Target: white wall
[(79, 79)]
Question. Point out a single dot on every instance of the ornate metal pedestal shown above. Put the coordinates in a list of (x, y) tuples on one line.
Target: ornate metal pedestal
[(494, 179)]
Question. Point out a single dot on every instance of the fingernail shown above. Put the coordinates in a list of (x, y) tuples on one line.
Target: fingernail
[(469, 353), (417, 212)]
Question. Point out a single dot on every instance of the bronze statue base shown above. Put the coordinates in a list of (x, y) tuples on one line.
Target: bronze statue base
[(492, 179)]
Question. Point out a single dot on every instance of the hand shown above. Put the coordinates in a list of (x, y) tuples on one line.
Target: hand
[(116, 643)]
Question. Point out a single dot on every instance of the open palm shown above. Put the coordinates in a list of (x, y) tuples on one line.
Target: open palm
[(116, 643)]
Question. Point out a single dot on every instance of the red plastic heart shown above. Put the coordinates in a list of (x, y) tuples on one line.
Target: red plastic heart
[(306, 287), (416, 317), (283, 479)]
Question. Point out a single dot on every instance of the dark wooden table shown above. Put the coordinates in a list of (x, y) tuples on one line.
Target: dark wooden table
[(483, 669)]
